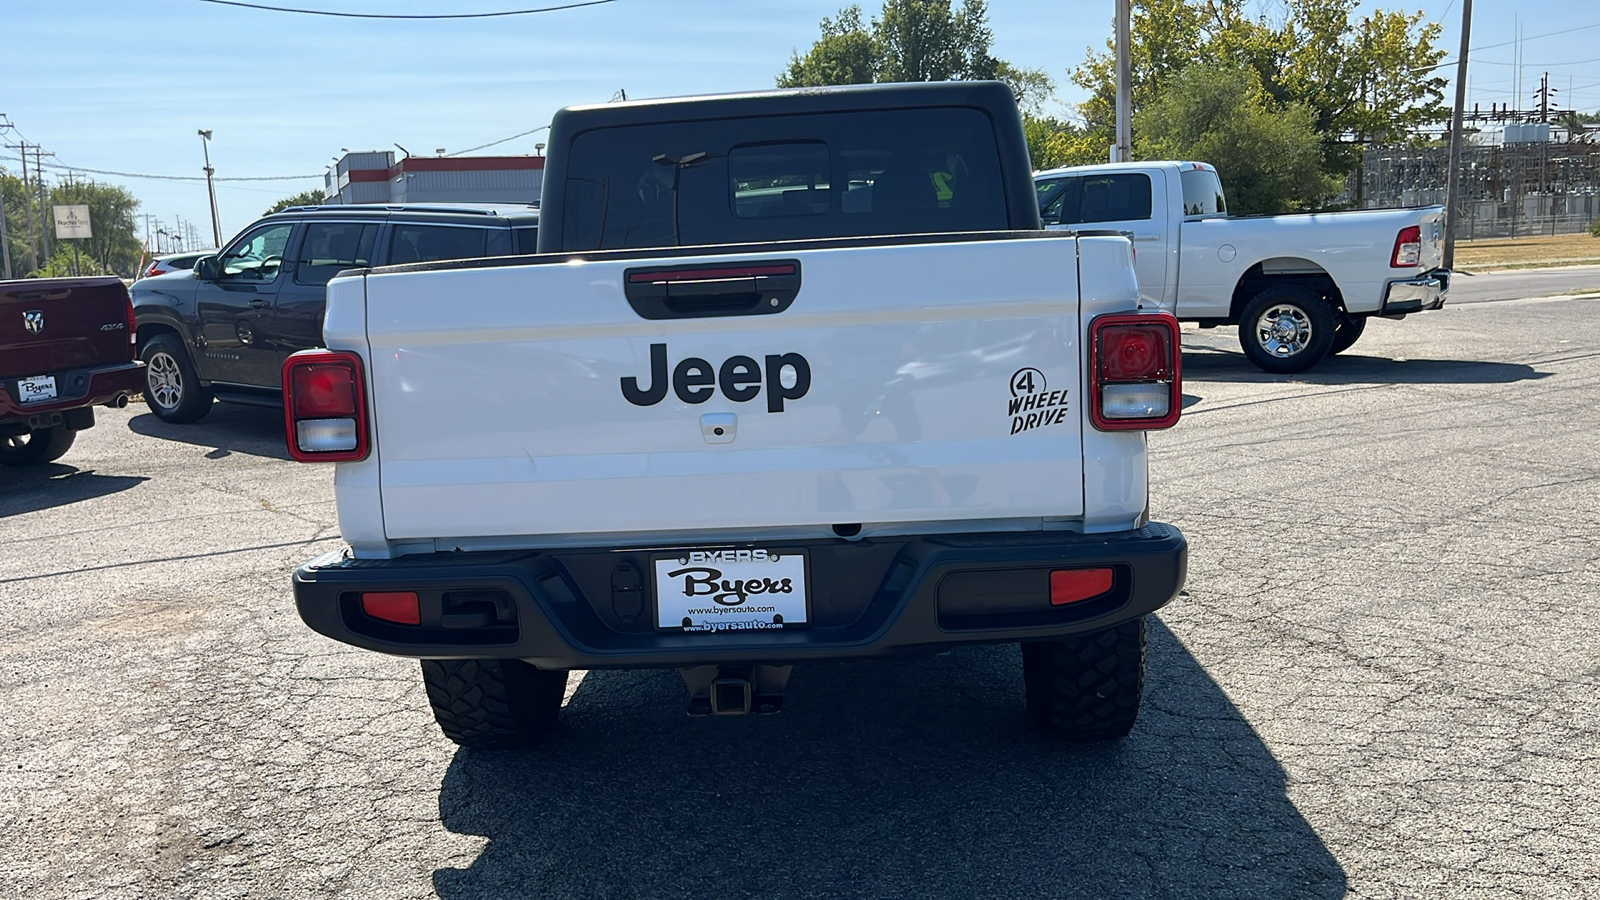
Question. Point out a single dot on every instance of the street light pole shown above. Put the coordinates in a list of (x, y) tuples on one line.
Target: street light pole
[(1123, 151), (1452, 193), (216, 225)]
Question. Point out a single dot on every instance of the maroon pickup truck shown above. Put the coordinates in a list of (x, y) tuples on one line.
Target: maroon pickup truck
[(66, 346)]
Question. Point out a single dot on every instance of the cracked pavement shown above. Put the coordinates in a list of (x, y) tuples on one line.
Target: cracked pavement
[(1380, 681)]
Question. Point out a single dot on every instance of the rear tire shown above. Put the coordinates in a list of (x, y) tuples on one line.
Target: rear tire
[(172, 390), (1347, 332), (36, 447), (1086, 687), (1286, 328), (493, 704)]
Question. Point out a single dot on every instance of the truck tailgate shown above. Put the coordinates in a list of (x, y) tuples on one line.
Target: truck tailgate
[(50, 325), (530, 398)]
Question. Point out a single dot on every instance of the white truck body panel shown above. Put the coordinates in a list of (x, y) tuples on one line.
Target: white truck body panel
[(499, 418), (1190, 265)]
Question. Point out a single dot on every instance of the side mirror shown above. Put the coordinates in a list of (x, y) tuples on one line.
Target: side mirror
[(205, 268)]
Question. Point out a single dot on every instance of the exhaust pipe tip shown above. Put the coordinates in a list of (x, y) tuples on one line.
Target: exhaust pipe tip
[(120, 402)]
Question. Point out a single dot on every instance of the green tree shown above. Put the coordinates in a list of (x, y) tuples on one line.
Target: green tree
[(18, 238), (845, 54), (304, 198), (115, 246), (1367, 80), (1267, 153), (931, 40)]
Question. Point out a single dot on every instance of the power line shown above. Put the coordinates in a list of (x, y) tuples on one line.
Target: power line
[(1530, 37), (351, 15), (58, 167), (501, 141)]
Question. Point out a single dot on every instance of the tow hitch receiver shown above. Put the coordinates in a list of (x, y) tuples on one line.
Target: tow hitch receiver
[(735, 690)]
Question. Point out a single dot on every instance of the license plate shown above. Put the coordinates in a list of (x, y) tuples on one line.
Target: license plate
[(731, 590), (33, 390)]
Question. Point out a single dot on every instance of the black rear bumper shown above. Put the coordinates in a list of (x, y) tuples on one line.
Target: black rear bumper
[(581, 609)]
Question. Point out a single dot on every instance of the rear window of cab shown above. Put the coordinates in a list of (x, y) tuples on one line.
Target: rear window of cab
[(916, 171)]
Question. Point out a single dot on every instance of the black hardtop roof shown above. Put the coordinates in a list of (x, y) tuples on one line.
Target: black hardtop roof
[(461, 211), (990, 95)]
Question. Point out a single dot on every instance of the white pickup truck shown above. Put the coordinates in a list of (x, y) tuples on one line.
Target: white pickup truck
[(1298, 286), (795, 376)]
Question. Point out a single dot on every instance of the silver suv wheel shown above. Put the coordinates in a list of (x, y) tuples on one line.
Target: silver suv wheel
[(165, 379)]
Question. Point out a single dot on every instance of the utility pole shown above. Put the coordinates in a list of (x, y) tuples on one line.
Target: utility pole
[(21, 146), (1453, 189), (1123, 150), (44, 200), (216, 224)]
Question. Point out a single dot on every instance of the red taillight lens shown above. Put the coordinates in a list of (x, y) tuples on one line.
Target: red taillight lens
[(1072, 585), (324, 390), (133, 329), (151, 271), (1135, 353), (1134, 372), (399, 607), (324, 406), (1407, 248)]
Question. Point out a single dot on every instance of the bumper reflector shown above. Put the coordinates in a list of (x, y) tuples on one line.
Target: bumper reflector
[(1072, 585), (1147, 400), (325, 435), (399, 607)]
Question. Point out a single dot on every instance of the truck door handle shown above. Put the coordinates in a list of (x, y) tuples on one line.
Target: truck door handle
[(1147, 237), (259, 303), (707, 291)]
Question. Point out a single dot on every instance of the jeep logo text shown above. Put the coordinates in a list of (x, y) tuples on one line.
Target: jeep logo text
[(694, 380)]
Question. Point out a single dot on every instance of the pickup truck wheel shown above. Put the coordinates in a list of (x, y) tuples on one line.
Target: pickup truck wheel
[(1086, 687), (36, 447), (1286, 329), (493, 704), (172, 390), (1347, 332)]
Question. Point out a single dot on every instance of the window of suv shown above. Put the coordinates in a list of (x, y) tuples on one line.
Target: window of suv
[(911, 171), (258, 255), (330, 247), (412, 243)]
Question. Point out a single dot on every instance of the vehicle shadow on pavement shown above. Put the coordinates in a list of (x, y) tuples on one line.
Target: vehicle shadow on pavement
[(885, 780), (229, 428), (1346, 368), (32, 488)]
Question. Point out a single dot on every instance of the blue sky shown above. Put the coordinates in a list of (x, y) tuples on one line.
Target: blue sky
[(123, 86)]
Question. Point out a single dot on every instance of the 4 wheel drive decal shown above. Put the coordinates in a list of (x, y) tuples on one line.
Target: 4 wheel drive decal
[(1032, 404), (694, 380)]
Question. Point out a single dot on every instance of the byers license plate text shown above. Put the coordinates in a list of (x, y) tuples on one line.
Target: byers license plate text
[(730, 590), (37, 388)]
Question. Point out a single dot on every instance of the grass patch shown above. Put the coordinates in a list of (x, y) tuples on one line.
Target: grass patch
[(1528, 252)]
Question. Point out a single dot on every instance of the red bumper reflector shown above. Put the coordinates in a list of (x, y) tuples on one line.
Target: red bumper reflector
[(399, 607), (1072, 585)]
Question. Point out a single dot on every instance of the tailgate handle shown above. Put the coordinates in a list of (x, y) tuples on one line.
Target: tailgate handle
[(707, 291)]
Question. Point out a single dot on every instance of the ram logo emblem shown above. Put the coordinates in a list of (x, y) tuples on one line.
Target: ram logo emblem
[(33, 320)]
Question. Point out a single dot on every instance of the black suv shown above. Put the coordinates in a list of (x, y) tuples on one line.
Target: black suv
[(223, 330)]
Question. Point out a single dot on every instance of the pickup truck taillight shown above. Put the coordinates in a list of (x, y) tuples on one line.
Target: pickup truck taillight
[(324, 406), (1135, 384), (1407, 248)]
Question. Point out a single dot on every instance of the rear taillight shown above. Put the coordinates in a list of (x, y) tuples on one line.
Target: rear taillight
[(324, 406), (152, 270), (133, 333), (1135, 384), (1407, 248)]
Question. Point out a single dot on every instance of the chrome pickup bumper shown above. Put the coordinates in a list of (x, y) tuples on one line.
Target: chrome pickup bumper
[(1409, 295)]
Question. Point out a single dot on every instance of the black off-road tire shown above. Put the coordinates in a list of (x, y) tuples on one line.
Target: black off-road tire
[(1086, 687), (172, 390), (1347, 332), (1302, 306), (36, 447), (493, 704)]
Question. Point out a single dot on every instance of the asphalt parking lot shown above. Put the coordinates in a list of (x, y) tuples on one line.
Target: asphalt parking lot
[(1381, 681)]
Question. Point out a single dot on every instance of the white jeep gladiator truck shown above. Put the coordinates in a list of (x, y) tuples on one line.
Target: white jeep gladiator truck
[(1300, 287), (794, 376)]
